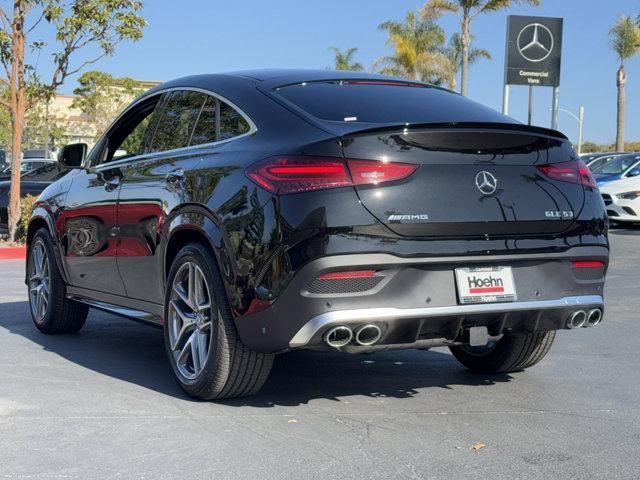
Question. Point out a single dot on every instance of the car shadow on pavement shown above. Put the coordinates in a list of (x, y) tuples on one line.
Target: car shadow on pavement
[(301, 376), (134, 353)]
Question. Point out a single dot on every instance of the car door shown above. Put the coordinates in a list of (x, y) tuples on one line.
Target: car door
[(152, 186), (90, 219)]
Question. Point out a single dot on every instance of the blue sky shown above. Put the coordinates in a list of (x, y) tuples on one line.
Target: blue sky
[(197, 36)]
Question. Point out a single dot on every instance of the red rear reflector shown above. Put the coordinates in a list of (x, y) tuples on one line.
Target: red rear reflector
[(343, 275), (587, 264), (293, 174), (573, 172)]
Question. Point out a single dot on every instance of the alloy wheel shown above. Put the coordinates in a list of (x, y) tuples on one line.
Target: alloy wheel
[(190, 316), (39, 280)]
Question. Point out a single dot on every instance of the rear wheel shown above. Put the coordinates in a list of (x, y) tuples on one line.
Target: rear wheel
[(51, 311), (510, 354), (207, 356)]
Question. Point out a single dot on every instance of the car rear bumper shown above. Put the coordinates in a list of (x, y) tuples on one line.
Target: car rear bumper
[(429, 326), (414, 301)]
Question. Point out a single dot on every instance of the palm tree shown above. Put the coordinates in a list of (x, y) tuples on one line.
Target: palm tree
[(468, 10), (343, 59), (624, 38), (418, 51), (454, 52)]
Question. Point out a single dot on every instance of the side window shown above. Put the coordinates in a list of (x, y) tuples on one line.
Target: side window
[(178, 120), (133, 144), (131, 135), (205, 131), (232, 123), (218, 121)]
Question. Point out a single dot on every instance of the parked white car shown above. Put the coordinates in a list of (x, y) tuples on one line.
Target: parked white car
[(622, 199)]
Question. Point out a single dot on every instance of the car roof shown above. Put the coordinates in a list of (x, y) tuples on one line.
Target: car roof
[(271, 77), (286, 76), (237, 85)]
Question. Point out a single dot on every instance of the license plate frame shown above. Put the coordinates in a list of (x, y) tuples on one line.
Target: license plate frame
[(485, 285)]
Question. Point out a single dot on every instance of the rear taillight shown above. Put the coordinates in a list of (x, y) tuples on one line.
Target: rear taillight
[(294, 174), (364, 172), (573, 172)]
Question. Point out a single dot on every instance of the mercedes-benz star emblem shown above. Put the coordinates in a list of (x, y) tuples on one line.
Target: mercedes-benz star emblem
[(486, 183), (535, 42)]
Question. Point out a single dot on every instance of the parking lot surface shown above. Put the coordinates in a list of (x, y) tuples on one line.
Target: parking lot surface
[(103, 404)]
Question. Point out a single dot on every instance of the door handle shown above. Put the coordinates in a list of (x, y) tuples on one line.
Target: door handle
[(175, 175)]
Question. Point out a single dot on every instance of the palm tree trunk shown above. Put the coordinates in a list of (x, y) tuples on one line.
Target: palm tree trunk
[(621, 80), (465, 39)]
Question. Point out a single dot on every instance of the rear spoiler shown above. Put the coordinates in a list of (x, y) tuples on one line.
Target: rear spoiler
[(518, 127)]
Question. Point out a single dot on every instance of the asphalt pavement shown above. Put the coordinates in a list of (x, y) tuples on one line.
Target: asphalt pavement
[(103, 404)]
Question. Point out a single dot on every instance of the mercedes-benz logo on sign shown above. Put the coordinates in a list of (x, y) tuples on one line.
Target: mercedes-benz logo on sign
[(486, 183), (535, 42)]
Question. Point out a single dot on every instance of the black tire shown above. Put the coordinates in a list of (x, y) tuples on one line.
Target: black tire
[(510, 354), (61, 314), (231, 369)]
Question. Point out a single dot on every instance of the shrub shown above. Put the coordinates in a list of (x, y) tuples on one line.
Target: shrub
[(26, 205)]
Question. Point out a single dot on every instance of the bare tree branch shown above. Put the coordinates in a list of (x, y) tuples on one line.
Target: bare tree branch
[(5, 17), (30, 29)]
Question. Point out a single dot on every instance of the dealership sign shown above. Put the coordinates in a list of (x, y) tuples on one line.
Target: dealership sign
[(534, 46)]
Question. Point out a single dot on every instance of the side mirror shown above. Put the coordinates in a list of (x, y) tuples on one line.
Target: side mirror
[(634, 172), (72, 156)]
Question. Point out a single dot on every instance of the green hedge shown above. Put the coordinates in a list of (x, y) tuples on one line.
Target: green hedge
[(26, 205)]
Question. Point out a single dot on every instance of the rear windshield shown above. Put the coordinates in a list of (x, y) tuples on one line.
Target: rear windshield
[(367, 101)]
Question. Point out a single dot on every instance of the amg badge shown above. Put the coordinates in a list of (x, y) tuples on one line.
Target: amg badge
[(418, 217)]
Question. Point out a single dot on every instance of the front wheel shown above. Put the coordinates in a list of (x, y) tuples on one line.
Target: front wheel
[(52, 312), (206, 354), (509, 354)]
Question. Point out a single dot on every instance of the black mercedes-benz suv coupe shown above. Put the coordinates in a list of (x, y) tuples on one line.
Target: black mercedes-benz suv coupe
[(257, 212)]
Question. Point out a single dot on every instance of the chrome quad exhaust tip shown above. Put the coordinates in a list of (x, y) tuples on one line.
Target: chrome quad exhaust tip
[(594, 317), (368, 335), (577, 319), (339, 336)]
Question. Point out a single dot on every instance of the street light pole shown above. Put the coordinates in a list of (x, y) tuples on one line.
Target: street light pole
[(580, 123), (580, 120)]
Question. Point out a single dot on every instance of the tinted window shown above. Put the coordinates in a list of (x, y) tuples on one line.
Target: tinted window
[(617, 165), (131, 136), (205, 131), (48, 173), (385, 102), (177, 120), (26, 166), (133, 143), (594, 164), (232, 123)]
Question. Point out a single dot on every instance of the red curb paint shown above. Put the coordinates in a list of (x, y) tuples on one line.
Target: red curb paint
[(13, 253)]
